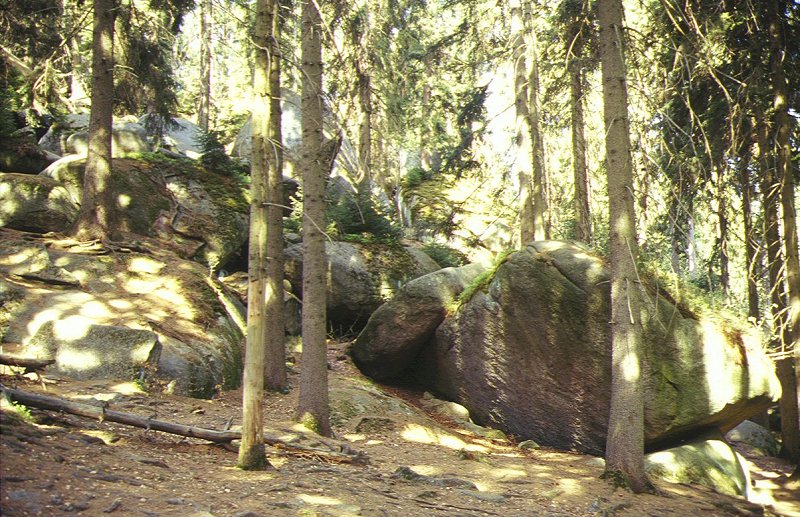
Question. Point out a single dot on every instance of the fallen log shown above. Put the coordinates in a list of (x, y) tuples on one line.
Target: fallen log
[(102, 413), (30, 365)]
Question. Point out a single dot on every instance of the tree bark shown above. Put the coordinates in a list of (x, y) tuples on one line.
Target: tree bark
[(625, 442), (752, 256), (540, 226), (203, 109), (252, 452), (583, 221), (275, 367), (96, 216), (313, 409), (524, 149), (790, 416)]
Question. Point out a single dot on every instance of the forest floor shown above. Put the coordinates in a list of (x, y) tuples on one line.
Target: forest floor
[(60, 464)]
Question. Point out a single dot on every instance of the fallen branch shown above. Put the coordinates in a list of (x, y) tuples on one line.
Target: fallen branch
[(103, 414), (30, 365), (221, 437)]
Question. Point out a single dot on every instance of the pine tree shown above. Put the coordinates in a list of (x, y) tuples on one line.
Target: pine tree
[(625, 443), (96, 217)]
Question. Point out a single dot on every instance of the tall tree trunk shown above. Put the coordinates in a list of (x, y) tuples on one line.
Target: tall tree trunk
[(722, 218), (625, 442), (583, 221), (313, 409), (790, 419), (524, 163), (275, 367), (752, 256), (540, 226), (96, 217), (203, 117), (251, 451)]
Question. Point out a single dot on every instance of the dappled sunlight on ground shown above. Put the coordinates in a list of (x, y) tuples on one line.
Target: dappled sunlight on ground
[(420, 434)]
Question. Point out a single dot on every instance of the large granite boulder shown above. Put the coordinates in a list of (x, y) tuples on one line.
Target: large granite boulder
[(126, 139), (22, 155), (55, 139), (202, 214), (361, 277), (35, 203), (707, 460), (401, 327), (95, 351), (529, 353), (158, 313)]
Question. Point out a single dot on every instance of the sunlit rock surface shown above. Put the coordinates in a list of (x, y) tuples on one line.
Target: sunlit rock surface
[(529, 353), (202, 215), (707, 461), (35, 202), (56, 297), (361, 277)]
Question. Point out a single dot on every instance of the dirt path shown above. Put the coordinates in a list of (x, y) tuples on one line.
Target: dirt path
[(58, 464)]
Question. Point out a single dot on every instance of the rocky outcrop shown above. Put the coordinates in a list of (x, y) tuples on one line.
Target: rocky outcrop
[(22, 155), (361, 277), (203, 215), (529, 353), (158, 312), (401, 327), (125, 139), (95, 351), (33, 202)]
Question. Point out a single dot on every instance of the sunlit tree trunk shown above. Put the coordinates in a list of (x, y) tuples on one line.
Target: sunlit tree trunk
[(790, 427), (625, 442), (540, 225), (96, 216), (275, 366), (524, 164), (205, 65), (313, 401), (251, 450)]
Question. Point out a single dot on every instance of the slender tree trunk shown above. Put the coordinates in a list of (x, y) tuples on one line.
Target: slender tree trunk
[(275, 367), (96, 217), (625, 442), (583, 220), (722, 218), (205, 65), (313, 402), (251, 451), (752, 256), (365, 122), (790, 418), (540, 226), (524, 163)]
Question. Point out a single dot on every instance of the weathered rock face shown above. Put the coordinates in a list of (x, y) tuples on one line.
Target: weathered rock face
[(707, 460), (55, 302), (22, 155), (361, 277), (33, 202), (401, 327), (125, 139), (530, 354), (95, 351), (204, 215)]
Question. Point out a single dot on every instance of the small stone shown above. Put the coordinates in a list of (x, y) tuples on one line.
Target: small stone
[(529, 445)]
